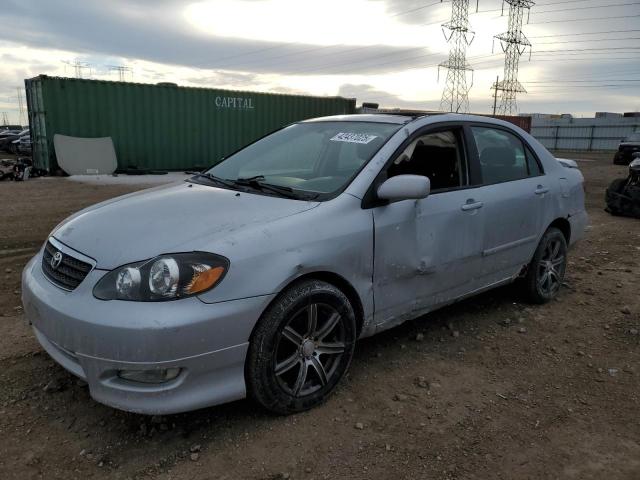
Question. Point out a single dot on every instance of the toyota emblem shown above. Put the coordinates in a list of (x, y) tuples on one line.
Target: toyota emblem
[(56, 260)]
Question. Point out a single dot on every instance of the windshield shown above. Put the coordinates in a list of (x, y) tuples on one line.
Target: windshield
[(316, 157)]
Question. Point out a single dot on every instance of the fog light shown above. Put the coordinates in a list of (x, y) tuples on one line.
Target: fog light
[(149, 376)]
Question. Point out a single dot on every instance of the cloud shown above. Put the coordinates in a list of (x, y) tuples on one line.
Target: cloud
[(418, 12), (239, 80), (369, 93), (382, 50), (161, 34)]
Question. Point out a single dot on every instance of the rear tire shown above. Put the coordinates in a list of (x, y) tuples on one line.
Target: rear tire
[(301, 348), (545, 273)]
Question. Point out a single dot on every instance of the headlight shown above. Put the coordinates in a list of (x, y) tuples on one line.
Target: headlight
[(167, 277)]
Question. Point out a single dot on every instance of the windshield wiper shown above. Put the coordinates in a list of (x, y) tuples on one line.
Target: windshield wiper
[(215, 179), (254, 182), (253, 179)]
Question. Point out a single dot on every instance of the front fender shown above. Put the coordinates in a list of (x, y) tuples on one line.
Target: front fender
[(336, 237)]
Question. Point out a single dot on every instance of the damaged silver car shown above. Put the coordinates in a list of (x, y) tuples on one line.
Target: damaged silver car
[(257, 276)]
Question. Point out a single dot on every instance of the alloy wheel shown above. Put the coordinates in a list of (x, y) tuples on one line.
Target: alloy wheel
[(309, 349), (551, 268)]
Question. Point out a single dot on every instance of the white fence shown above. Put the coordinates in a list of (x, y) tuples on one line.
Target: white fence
[(583, 134)]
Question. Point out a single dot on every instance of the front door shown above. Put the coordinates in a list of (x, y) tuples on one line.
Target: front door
[(427, 252)]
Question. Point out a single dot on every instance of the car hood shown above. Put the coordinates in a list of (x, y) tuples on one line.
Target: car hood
[(176, 218)]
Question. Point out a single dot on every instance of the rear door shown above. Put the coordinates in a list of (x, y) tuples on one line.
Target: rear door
[(428, 251), (515, 193)]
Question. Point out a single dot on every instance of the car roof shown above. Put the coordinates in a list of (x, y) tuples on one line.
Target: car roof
[(364, 117), (416, 121)]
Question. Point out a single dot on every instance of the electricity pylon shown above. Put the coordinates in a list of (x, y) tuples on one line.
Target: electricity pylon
[(122, 71), (455, 97), (514, 43), (78, 67), (21, 112)]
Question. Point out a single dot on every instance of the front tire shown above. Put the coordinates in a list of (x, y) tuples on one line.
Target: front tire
[(301, 348), (545, 273)]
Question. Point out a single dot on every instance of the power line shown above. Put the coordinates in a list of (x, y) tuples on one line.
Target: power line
[(567, 9), (374, 96), (608, 49), (268, 62), (582, 81), (571, 87), (396, 61), (350, 62), (438, 22), (590, 40), (418, 8), (415, 57), (589, 59), (564, 2), (562, 55), (611, 5), (286, 44), (539, 57), (582, 19), (582, 33), (597, 79)]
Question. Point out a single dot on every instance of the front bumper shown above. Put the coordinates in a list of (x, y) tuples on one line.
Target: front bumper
[(94, 339)]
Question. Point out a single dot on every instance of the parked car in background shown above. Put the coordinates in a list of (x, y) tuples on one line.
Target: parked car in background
[(258, 276), (6, 141), (17, 128), (5, 134), (24, 145), (626, 149)]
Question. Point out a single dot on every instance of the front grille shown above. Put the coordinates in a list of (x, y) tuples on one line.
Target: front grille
[(69, 273)]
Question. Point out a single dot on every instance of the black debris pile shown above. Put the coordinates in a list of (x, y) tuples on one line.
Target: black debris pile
[(19, 169), (623, 195), (134, 170)]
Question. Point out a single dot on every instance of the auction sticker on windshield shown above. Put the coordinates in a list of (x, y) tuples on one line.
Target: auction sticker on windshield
[(353, 137)]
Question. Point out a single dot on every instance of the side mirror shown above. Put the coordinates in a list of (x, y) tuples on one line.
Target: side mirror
[(404, 187)]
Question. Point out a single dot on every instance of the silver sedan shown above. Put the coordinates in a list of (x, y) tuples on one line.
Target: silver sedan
[(257, 276)]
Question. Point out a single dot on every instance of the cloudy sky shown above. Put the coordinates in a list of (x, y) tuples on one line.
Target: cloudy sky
[(585, 56)]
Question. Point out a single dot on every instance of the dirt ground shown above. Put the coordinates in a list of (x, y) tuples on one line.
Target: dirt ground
[(487, 389)]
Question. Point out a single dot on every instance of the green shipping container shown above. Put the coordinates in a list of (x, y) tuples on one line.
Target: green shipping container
[(161, 126)]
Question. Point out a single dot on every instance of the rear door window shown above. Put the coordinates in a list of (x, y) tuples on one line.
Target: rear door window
[(503, 157)]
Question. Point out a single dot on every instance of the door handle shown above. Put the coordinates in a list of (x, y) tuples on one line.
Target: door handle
[(541, 190), (471, 205)]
